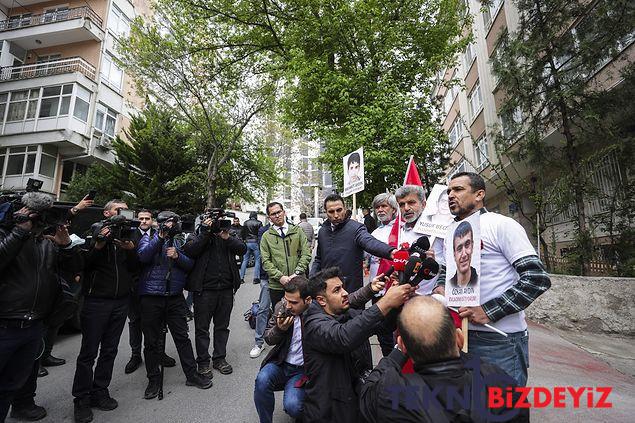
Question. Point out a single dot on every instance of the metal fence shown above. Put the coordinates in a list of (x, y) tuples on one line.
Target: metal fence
[(25, 21), (53, 67)]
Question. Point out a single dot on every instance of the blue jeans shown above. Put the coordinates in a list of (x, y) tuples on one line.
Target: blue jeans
[(273, 377), (264, 303), (510, 354), (252, 249)]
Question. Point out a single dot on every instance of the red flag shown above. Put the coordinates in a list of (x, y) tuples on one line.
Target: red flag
[(412, 174)]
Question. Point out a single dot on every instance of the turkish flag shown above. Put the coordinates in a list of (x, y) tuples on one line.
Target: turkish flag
[(412, 174)]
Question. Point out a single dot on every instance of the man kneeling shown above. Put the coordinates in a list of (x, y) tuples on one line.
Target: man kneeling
[(283, 368), (447, 385)]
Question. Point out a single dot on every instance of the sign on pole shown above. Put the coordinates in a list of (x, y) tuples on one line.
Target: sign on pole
[(353, 172)]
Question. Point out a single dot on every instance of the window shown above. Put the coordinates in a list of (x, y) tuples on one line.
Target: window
[(450, 95), (55, 101), (111, 73), (3, 105), (3, 153), (82, 104), (510, 122), (490, 10), (482, 156), (118, 23), (468, 56), (105, 121), (475, 102), (456, 131), (23, 105), (48, 161), (459, 167), (21, 160)]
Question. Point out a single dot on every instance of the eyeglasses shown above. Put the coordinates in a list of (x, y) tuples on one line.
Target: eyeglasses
[(276, 213)]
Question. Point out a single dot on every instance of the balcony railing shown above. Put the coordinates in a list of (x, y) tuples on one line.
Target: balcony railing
[(50, 17), (53, 67)]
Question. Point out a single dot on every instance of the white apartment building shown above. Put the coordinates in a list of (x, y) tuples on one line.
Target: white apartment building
[(63, 98), (471, 116)]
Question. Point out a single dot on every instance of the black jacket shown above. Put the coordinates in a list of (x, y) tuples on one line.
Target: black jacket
[(280, 340), (29, 267), (108, 272), (370, 223), (250, 230), (199, 247), (336, 351), (344, 247), (391, 396)]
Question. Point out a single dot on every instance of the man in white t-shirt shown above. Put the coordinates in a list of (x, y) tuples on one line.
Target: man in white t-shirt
[(512, 277), (412, 201), (385, 206)]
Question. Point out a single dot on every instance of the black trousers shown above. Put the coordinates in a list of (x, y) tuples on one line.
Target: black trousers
[(19, 348), (212, 306), (276, 296), (102, 321), (154, 309), (134, 324)]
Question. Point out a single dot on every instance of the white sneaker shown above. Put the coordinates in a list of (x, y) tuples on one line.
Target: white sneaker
[(256, 350)]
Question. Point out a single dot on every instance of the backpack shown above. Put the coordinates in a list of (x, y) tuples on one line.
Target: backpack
[(251, 313)]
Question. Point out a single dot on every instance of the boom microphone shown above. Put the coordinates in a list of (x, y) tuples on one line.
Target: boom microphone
[(37, 201)]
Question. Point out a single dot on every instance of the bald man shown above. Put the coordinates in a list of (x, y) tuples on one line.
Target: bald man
[(444, 380)]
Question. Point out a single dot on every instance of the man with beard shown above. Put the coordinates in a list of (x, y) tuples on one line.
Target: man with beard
[(385, 206)]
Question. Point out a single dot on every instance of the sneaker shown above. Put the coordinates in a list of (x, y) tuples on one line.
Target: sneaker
[(51, 361), (105, 403), (222, 366), (30, 413), (152, 391), (256, 350), (206, 371), (199, 381), (168, 361), (133, 364), (83, 413)]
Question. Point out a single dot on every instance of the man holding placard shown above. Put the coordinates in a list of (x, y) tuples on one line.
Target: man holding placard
[(511, 277)]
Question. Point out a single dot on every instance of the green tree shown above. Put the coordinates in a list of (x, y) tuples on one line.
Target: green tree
[(552, 71), (155, 167), (352, 73)]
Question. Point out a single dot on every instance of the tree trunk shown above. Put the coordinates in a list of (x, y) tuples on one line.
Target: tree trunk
[(212, 176)]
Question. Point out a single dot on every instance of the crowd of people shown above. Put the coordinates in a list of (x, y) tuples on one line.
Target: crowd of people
[(314, 311)]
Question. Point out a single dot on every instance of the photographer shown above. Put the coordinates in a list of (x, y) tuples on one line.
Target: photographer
[(214, 280), (109, 262), (28, 288), (163, 276)]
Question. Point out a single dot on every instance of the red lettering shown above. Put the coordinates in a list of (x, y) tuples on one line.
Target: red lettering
[(509, 397), (605, 391), (558, 397), (589, 398), (495, 397), (576, 394), (538, 403), (522, 400)]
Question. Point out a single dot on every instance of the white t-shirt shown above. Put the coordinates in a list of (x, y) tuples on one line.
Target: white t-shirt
[(294, 356), (503, 242), (410, 236), (381, 234)]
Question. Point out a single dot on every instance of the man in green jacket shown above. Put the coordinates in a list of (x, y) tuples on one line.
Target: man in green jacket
[(285, 251)]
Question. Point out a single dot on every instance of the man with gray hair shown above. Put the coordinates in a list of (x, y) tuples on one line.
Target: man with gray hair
[(385, 206), (412, 201)]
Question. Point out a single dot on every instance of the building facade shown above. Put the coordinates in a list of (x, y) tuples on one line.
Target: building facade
[(471, 113), (63, 98)]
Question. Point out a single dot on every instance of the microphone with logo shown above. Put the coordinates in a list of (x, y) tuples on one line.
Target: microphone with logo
[(428, 267)]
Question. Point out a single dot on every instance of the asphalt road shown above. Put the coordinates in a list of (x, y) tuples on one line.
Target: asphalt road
[(229, 400)]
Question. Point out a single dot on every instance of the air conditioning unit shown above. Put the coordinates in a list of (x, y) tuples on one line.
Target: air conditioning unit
[(105, 142)]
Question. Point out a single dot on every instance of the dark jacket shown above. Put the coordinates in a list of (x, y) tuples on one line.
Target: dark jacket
[(29, 283), (336, 351), (108, 272), (280, 340), (387, 395), (250, 229), (155, 266), (136, 272), (199, 247), (370, 223), (344, 247)]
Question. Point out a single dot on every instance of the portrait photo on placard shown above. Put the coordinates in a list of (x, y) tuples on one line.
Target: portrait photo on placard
[(463, 261)]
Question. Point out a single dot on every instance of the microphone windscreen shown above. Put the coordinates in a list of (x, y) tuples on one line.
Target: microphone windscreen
[(37, 201), (118, 218), (429, 268), (421, 245), (400, 260), (412, 267)]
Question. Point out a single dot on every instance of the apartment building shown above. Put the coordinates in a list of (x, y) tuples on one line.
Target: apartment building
[(63, 98), (471, 116)]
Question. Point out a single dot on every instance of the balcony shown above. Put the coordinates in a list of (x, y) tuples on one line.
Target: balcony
[(53, 28), (54, 67)]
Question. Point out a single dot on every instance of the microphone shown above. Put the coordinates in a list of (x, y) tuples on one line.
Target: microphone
[(389, 272), (411, 270), (421, 245), (400, 260), (37, 201)]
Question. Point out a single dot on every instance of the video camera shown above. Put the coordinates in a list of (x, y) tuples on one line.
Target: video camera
[(122, 226), (218, 224), (44, 215), (164, 219)]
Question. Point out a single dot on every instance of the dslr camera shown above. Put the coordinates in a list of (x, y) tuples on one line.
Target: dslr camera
[(218, 223), (122, 226)]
